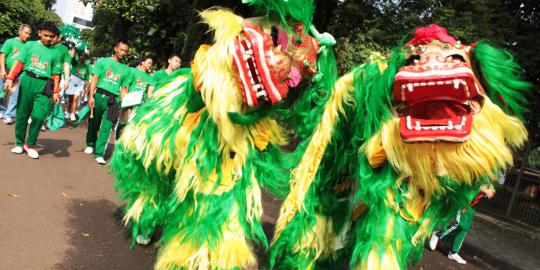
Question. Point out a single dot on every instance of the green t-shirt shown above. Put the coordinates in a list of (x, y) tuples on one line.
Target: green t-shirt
[(11, 49), (81, 71), (111, 75), (63, 51), (40, 59), (139, 80), (161, 76)]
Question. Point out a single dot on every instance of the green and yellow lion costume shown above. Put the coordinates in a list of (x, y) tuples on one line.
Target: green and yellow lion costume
[(195, 156), (402, 144)]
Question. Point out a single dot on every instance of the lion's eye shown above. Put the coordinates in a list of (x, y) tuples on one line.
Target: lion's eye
[(413, 59)]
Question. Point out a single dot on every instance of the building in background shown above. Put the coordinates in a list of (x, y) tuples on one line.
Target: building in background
[(74, 12)]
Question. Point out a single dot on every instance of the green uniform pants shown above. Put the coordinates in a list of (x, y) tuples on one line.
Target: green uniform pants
[(99, 128), (31, 103), (456, 232)]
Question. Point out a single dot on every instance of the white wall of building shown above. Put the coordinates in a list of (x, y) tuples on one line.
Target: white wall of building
[(74, 12)]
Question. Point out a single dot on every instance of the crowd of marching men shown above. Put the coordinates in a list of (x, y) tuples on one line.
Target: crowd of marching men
[(37, 77)]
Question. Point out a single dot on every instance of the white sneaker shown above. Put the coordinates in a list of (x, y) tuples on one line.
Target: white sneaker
[(29, 121), (101, 161), (66, 114), (142, 240), (457, 258), (8, 121), (17, 150), (43, 128), (88, 150), (433, 241), (32, 153), (72, 117), (1, 115)]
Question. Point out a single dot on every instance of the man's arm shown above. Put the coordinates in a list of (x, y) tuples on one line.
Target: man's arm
[(16, 69), (87, 88), (123, 92), (150, 91), (3, 66), (6, 48), (66, 75), (56, 88), (93, 86)]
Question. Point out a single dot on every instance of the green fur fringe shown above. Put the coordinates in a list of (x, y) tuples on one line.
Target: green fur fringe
[(300, 10), (502, 75)]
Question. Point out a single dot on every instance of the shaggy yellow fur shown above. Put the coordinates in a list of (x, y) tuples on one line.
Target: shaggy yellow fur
[(233, 250), (302, 176), (135, 211), (219, 84), (388, 260), (485, 153)]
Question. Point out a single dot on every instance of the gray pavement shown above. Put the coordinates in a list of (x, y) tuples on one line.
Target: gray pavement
[(505, 244), (60, 212)]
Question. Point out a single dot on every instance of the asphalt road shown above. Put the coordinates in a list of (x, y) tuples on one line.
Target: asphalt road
[(61, 212)]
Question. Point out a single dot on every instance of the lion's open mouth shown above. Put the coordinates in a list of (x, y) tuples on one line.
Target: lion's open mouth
[(436, 105), (262, 69)]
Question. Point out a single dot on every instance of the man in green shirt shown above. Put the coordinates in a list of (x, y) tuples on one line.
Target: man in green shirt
[(139, 80), (165, 75), (38, 87), (8, 52), (66, 55), (108, 76)]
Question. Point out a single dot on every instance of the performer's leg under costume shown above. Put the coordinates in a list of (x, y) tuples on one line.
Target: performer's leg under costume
[(31, 103), (455, 234)]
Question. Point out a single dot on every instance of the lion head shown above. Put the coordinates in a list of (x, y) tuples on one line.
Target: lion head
[(442, 120), (252, 65)]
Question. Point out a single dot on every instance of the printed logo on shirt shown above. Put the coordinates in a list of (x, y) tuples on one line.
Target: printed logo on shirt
[(81, 72), (37, 64), (110, 76), (140, 83), (15, 51)]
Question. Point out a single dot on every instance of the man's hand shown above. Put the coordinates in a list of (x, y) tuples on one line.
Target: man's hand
[(91, 102), (8, 84), (3, 74), (489, 192), (55, 98)]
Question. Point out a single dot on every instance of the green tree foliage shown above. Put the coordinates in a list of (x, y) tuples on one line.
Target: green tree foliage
[(365, 26), (156, 27), (16, 12)]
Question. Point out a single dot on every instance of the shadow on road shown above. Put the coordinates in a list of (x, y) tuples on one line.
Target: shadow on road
[(58, 148), (99, 241)]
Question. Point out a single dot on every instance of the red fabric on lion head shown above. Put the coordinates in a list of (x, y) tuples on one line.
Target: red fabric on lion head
[(424, 35)]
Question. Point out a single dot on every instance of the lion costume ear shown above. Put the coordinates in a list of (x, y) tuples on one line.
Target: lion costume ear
[(501, 78)]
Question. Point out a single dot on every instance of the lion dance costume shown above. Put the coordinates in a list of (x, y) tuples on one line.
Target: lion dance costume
[(194, 157), (402, 144)]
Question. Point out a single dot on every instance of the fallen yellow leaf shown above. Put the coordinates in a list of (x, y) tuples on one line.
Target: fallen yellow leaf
[(14, 195), (85, 234)]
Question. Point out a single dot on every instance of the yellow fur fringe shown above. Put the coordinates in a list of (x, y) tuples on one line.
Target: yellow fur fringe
[(302, 176)]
